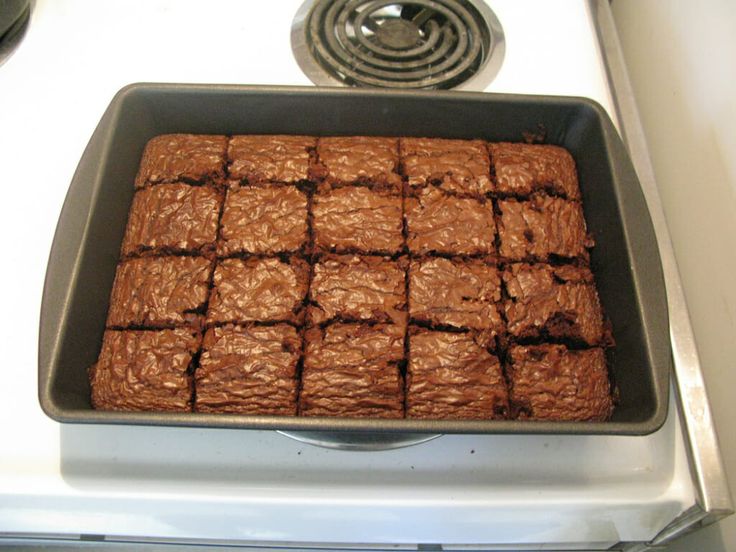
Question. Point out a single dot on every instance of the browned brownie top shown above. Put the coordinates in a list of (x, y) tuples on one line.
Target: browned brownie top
[(550, 382), (460, 166), (557, 302), (542, 228), (459, 293), (270, 158), (260, 290), (445, 224), (522, 169), (188, 157), (357, 219), (172, 218), (359, 159), (355, 288), (263, 220), (144, 370), (450, 375), (352, 370), (248, 370), (159, 292)]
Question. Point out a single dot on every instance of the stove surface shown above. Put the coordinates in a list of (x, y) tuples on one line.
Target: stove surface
[(194, 484)]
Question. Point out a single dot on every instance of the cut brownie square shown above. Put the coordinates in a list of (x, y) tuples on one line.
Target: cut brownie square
[(439, 223), (451, 376), (159, 292), (352, 370), (144, 370), (260, 158), (459, 293), (258, 290), (558, 302), (172, 218), (263, 220), (542, 229), (357, 219), (460, 166), (354, 289), (550, 382), (366, 160), (192, 158), (248, 370), (522, 169)]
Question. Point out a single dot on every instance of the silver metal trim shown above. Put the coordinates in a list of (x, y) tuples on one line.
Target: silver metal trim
[(478, 82), (358, 441), (709, 477)]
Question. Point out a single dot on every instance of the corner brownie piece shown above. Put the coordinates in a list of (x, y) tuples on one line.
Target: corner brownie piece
[(522, 169), (248, 370), (353, 288), (352, 370), (542, 228), (172, 218), (558, 302), (451, 376), (550, 382), (158, 292), (439, 223), (188, 157), (258, 290), (263, 220), (357, 219), (359, 160), (144, 370), (263, 158), (460, 166), (463, 294)]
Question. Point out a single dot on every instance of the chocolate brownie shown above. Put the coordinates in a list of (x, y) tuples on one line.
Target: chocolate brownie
[(440, 223), (159, 292), (357, 219), (458, 293), (352, 370), (192, 158), (144, 370), (558, 302), (450, 375), (248, 370), (263, 220), (260, 290), (353, 288), (460, 166), (550, 382), (172, 218), (359, 160), (542, 229), (260, 158), (522, 169)]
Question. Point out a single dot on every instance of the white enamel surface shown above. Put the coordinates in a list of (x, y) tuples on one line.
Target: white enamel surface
[(238, 485)]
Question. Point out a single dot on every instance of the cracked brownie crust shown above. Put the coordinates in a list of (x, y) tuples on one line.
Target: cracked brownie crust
[(551, 382), (355, 276), (270, 158), (248, 370), (172, 218), (258, 290), (458, 166), (352, 370), (451, 376), (357, 219), (144, 370), (263, 220), (194, 158)]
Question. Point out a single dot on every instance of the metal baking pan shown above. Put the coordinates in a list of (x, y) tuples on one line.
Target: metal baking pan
[(85, 250)]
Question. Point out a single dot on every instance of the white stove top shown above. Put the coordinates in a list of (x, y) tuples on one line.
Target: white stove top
[(195, 484)]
